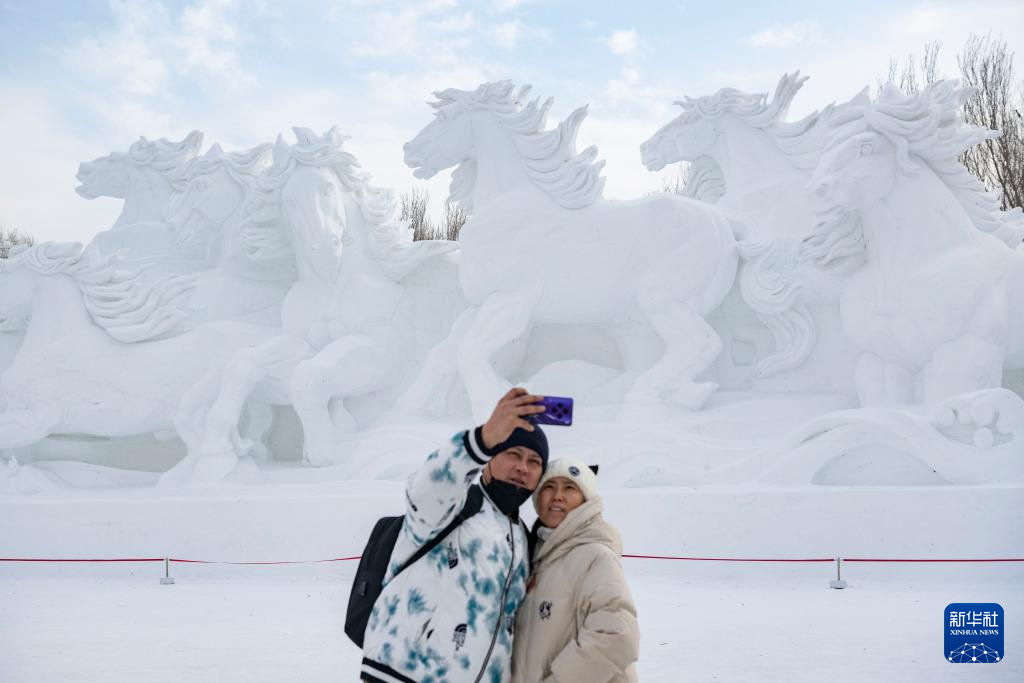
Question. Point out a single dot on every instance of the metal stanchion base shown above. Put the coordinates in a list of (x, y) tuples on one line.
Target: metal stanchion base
[(166, 580), (834, 583)]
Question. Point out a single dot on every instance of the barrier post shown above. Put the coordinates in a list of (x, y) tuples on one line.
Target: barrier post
[(167, 579), (838, 581)]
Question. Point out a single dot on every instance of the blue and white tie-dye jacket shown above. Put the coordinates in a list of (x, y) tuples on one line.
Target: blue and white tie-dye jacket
[(450, 617)]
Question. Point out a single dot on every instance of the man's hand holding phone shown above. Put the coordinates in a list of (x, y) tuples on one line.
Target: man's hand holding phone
[(514, 410), (520, 408)]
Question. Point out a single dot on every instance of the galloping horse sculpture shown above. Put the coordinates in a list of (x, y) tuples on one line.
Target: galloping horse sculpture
[(145, 177), (347, 322), (74, 373), (543, 247), (934, 302), (756, 166), (243, 279)]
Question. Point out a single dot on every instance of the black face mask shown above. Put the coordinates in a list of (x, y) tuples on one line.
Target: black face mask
[(507, 496)]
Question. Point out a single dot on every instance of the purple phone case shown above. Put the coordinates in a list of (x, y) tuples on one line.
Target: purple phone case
[(558, 411)]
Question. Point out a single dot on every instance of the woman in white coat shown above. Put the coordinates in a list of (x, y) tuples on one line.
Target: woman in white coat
[(577, 623)]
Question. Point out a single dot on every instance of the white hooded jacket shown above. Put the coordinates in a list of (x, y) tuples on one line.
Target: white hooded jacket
[(577, 623)]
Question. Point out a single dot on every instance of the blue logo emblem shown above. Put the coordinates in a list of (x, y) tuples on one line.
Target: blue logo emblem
[(574, 471), (974, 633)]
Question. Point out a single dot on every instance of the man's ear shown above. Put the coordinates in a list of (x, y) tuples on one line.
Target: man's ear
[(487, 473), (594, 468)]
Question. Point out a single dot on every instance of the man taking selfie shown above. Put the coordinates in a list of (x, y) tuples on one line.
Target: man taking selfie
[(451, 615)]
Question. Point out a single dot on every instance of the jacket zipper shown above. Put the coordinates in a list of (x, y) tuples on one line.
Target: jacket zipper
[(501, 608)]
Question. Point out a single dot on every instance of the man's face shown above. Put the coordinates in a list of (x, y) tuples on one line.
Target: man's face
[(517, 465)]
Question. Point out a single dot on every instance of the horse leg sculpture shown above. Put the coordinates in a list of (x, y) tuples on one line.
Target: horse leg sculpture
[(965, 364), (503, 317), (691, 345), (432, 382), (882, 382), (350, 366), (195, 404), (257, 420), (215, 456), (960, 383), (192, 409)]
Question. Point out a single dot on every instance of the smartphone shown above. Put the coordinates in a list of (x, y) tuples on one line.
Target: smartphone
[(557, 411)]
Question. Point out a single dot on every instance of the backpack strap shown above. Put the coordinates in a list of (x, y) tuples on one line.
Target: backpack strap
[(531, 538), (474, 501)]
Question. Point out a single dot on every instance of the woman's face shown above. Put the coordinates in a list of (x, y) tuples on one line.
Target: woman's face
[(557, 498)]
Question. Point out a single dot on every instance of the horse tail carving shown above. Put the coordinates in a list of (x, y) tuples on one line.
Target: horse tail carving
[(129, 306), (768, 286)]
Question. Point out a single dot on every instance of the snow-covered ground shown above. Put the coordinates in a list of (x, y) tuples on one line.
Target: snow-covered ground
[(699, 623)]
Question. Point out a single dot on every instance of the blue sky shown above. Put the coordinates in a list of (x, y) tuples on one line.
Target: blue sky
[(80, 79)]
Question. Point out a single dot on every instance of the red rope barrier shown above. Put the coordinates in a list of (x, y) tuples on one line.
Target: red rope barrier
[(633, 557), (333, 559), (858, 559), (35, 559)]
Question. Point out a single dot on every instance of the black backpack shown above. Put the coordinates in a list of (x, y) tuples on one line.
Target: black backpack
[(369, 579)]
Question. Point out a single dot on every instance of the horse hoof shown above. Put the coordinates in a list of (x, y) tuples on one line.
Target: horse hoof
[(983, 419), (212, 468)]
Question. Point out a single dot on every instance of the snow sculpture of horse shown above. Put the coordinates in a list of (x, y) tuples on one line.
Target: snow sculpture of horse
[(241, 280), (348, 322), (12, 332), (74, 373), (933, 304), (748, 161), (543, 247), (144, 177)]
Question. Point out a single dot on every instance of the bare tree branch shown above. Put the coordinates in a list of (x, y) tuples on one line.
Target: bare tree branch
[(914, 75), (454, 219), (9, 238), (987, 66), (413, 208)]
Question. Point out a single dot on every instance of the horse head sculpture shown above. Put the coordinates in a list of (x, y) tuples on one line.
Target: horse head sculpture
[(929, 301), (216, 186), (109, 176), (495, 137)]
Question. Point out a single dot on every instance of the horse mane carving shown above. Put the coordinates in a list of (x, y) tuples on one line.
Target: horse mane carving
[(798, 140), (928, 125), (376, 205), (571, 178), (169, 158), (753, 109), (242, 167), (704, 180), (130, 307)]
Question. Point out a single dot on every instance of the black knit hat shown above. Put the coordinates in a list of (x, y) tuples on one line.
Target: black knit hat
[(535, 440)]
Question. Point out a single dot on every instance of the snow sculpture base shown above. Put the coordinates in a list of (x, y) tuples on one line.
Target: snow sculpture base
[(739, 439)]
